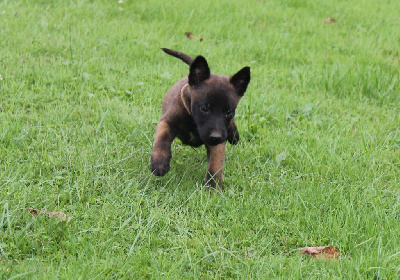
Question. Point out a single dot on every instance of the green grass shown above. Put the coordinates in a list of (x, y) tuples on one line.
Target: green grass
[(318, 162)]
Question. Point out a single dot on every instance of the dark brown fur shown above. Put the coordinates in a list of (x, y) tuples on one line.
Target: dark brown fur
[(208, 117)]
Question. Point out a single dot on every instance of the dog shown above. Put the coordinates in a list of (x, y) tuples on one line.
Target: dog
[(199, 109)]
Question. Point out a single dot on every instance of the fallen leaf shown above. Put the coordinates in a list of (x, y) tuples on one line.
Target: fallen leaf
[(330, 20), (32, 210), (191, 36), (59, 215), (325, 253)]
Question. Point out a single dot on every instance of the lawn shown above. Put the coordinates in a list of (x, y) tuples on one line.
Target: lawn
[(318, 163)]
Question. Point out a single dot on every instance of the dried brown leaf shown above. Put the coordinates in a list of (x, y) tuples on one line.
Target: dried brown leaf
[(330, 20), (59, 215), (325, 253), (32, 210), (191, 36)]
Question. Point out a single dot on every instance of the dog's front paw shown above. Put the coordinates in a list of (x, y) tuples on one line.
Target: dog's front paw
[(211, 184), (213, 181), (233, 136), (159, 167)]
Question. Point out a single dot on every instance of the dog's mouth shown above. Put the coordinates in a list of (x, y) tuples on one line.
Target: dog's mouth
[(214, 143), (214, 138)]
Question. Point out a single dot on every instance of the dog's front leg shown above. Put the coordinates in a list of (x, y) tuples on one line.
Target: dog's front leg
[(161, 155), (216, 159)]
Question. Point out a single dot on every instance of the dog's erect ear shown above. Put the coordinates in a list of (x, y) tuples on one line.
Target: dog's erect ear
[(241, 80), (199, 71)]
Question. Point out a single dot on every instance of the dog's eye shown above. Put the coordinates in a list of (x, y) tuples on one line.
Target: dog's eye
[(229, 113), (204, 109)]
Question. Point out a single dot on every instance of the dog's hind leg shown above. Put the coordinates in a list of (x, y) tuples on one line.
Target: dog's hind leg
[(233, 133), (216, 160), (161, 155)]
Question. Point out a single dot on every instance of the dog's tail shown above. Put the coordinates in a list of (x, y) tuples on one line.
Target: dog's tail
[(185, 58)]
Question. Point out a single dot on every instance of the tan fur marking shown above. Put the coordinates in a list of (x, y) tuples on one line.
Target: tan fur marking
[(216, 160), (161, 156), (159, 153), (162, 137)]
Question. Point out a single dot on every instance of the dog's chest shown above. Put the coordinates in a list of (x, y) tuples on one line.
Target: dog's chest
[(194, 139), (189, 135)]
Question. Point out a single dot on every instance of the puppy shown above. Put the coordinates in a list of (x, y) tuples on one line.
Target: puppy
[(199, 109)]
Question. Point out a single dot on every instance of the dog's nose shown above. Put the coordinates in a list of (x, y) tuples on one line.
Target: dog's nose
[(216, 137)]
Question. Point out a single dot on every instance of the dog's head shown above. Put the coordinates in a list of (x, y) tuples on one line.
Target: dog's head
[(213, 99)]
